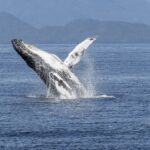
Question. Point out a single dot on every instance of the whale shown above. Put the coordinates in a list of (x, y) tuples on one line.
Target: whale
[(58, 75)]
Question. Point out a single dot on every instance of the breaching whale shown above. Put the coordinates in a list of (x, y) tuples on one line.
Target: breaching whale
[(58, 76)]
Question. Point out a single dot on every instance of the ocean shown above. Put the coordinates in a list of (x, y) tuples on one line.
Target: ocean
[(118, 120)]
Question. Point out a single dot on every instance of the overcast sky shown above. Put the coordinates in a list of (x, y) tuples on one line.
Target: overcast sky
[(58, 12)]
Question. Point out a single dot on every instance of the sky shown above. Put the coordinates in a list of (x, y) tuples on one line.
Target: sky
[(40, 13)]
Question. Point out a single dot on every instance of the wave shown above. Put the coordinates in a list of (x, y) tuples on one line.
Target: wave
[(104, 96)]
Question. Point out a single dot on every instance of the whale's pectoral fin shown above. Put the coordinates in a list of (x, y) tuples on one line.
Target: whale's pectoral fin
[(76, 54)]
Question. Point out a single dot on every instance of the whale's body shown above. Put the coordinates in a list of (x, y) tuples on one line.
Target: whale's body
[(56, 74)]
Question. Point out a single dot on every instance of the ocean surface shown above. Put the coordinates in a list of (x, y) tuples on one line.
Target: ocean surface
[(118, 120)]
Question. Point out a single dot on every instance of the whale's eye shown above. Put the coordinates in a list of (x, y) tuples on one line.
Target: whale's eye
[(76, 54)]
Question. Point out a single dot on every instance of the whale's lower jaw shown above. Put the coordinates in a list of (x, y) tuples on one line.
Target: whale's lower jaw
[(60, 81)]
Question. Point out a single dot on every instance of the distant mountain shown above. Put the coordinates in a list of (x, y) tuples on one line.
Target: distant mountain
[(107, 31), (12, 27), (59, 12)]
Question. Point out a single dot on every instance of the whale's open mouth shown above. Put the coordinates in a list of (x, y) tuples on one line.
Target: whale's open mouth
[(55, 73)]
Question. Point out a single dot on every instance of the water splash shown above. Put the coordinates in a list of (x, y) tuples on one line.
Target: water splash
[(88, 76)]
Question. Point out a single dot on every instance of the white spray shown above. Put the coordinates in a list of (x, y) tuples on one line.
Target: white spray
[(88, 76)]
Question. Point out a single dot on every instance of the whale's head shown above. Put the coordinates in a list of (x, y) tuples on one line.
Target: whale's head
[(25, 52), (18, 45), (17, 42)]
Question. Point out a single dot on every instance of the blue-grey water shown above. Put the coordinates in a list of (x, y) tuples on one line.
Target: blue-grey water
[(29, 121)]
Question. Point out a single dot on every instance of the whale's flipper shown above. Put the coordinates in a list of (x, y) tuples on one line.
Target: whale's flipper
[(60, 81), (75, 56)]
